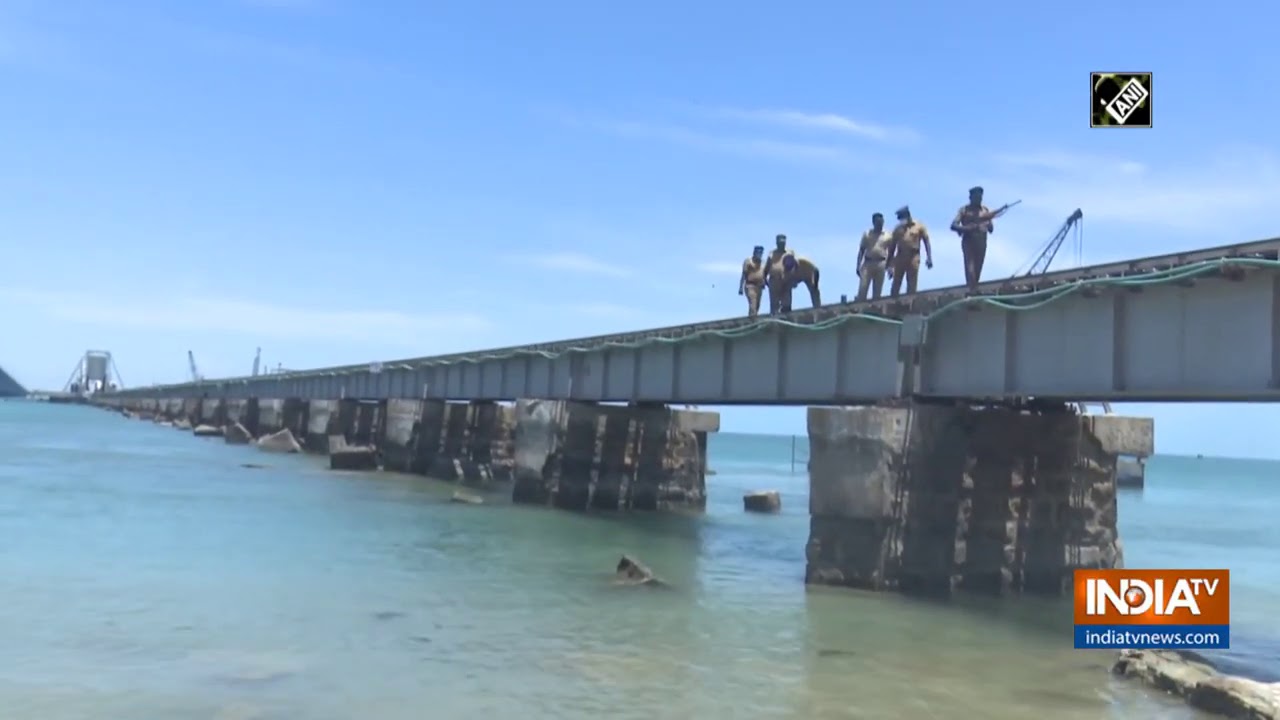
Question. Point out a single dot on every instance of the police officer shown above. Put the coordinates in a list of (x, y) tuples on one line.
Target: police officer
[(904, 251), (973, 224)]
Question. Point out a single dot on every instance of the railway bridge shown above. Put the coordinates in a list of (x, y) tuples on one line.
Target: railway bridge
[(945, 448)]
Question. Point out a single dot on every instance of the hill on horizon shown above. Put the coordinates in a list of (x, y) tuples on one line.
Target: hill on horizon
[(10, 387)]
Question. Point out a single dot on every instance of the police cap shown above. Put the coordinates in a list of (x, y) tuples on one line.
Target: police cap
[(903, 212), (975, 190)]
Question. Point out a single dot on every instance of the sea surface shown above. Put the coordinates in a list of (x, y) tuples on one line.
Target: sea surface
[(147, 575)]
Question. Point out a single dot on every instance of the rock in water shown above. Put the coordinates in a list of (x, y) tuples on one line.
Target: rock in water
[(353, 457), (236, 434), (762, 501), (282, 442), (207, 431), (1194, 679), (633, 572), (466, 498)]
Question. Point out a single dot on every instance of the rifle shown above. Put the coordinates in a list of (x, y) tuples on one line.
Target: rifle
[(989, 216)]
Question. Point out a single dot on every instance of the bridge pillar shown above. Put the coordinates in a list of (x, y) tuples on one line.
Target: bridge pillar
[(322, 421), (213, 411), (293, 417), (466, 442), (191, 411), (270, 416), (928, 499), (584, 456)]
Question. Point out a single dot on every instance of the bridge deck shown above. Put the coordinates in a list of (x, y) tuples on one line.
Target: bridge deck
[(1199, 325)]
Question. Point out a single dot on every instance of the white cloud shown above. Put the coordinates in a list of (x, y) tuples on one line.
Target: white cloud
[(1186, 196), (720, 268), (821, 121), (752, 146), (284, 4), (606, 310), (573, 262), (242, 317), (1065, 162)]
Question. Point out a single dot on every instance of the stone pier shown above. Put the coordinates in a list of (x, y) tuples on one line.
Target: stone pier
[(399, 434), (460, 442), (322, 421), (581, 456), (929, 499), (270, 416), (213, 411), (571, 455)]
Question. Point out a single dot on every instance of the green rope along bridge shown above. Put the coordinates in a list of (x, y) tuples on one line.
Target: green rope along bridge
[(1019, 302)]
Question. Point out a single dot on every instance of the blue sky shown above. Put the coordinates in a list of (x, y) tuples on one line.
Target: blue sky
[(339, 181)]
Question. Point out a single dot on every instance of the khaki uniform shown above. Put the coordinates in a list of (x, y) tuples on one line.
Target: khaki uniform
[(875, 251), (778, 288), (806, 273), (753, 284), (973, 243), (906, 259)]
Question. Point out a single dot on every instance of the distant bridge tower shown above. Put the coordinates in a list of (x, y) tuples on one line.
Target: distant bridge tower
[(95, 373)]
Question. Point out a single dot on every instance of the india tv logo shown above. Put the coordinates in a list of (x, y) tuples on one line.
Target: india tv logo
[(1153, 609)]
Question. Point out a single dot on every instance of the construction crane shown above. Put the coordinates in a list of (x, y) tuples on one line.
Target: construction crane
[(257, 361), (1040, 265), (195, 372)]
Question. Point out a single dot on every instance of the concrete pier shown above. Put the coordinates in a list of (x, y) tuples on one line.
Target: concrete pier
[(929, 499), (322, 421), (581, 456), (571, 455)]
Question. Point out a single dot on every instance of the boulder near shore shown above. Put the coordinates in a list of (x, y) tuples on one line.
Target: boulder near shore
[(236, 434), (351, 457), (762, 501), (631, 571), (1194, 679), (206, 431), (281, 442)]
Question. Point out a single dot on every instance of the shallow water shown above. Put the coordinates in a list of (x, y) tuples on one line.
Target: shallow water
[(146, 575)]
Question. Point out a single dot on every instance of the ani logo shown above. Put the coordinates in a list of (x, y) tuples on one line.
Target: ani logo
[(1120, 99)]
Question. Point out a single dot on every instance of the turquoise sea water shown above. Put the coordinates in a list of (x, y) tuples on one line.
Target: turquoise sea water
[(146, 575)]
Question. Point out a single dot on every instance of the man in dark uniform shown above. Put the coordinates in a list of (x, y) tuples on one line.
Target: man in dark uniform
[(973, 224), (775, 276)]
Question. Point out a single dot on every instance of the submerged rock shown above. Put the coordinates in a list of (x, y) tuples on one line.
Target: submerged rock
[(282, 442), (762, 501), (206, 431), (633, 572), (1193, 678), (236, 434), (466, 498), (353, 457)]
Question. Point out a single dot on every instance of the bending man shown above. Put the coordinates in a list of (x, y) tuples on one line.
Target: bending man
[(799, 270)]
